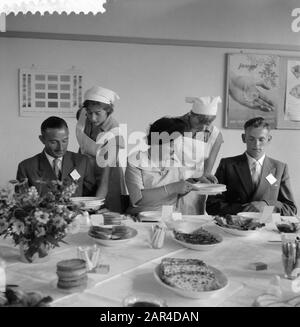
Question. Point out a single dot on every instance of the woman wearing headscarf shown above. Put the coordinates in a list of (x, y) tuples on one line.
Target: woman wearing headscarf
[(199, 147), (98, 136)]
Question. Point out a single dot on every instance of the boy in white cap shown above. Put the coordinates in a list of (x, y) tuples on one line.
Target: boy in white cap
[(95, 122)]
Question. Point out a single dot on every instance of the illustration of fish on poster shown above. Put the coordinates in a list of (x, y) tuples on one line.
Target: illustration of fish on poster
[(292, 98), (252, 88)]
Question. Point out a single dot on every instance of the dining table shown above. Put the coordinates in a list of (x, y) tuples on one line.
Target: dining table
[(132, 265)]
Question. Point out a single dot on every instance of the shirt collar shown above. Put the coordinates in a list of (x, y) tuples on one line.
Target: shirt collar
[(50, 158), (252, 160)]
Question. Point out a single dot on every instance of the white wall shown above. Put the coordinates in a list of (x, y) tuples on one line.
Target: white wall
[(257, 21), (151, 80)]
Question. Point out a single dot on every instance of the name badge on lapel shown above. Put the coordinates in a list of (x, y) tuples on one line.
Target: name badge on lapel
[(75, 175), (271, 179)]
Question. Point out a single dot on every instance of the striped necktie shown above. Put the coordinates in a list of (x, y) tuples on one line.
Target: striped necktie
[(255, 173), (56, 168)]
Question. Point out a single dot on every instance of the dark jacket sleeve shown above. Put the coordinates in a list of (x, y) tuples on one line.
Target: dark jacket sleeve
[(21, 172), (285, 203), (218, 204), (89, 181)]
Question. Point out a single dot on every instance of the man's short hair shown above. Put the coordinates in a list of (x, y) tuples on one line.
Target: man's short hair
[(53, 122), (257, 122)]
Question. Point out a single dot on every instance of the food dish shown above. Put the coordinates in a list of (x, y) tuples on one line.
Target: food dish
[(112, 235), (72, 275), (190, 278), (200, 239), (288, 224), (237, 225), (16, 297), (209, 189), (89, 202), (112, 218), (150, 216)]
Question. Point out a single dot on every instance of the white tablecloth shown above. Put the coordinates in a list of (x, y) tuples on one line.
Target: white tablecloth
[(132, 266)]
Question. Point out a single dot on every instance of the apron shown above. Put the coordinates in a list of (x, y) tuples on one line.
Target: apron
[(96, 150), (192, 151)]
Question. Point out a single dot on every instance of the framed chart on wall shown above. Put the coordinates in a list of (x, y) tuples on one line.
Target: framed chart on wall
[(253, 88), (43, 92)]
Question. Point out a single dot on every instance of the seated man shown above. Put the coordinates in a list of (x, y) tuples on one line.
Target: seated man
[(253, 180), (56, 163)]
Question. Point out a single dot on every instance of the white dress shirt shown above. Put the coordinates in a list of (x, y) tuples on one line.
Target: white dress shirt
[(51, 159)]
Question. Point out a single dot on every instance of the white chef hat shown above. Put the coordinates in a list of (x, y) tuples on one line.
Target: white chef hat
[(204, 105), (98, 93)]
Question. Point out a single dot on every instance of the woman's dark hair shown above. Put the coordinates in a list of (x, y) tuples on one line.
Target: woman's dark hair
[(168, 126), (204, 119), (53, 122), (257, 122), (109, 108)]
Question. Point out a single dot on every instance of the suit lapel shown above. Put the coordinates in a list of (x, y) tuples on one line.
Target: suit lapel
[(242, 169), (67, 165), (45, 170), (263, 184)]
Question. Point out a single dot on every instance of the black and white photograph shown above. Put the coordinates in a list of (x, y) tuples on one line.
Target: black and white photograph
[(149, 158)]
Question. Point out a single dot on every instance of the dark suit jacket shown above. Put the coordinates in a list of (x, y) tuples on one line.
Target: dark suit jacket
[(234, 172), (38, 168)]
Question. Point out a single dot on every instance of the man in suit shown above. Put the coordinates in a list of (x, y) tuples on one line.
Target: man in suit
[(56, 163), (253, 180)]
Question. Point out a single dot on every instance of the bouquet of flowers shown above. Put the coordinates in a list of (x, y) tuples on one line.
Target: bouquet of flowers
[(36, 222)]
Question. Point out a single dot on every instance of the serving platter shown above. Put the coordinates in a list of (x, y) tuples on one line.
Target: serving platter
[(238, 232), (114, 241), (221, 277)]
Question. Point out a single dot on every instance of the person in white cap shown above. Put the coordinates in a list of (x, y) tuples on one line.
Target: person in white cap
[(95, 123), (201, 150)]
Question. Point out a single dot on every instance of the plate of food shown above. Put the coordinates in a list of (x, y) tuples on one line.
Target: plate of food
[(210, 189), (237, 225), (14, 296), (111, 235), (288, 224), (198, 239), (190, 278), (89, 202)]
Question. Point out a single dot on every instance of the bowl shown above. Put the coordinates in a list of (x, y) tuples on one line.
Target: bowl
[(288, 224), (143, 300), (198, 246), (221, 277)]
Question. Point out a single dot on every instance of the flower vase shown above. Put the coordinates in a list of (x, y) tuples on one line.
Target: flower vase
[(42, 255)]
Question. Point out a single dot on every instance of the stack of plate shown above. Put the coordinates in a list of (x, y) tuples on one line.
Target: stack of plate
[(151, 216), (209, 189), (89, 202), (112, 218)]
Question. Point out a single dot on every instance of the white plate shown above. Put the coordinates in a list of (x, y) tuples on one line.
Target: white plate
[(252, 215), (200, 247), (90, 202), (204, 188), (150, 216), (90, 283), (196, 295), (111, 242), (238, 232)]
